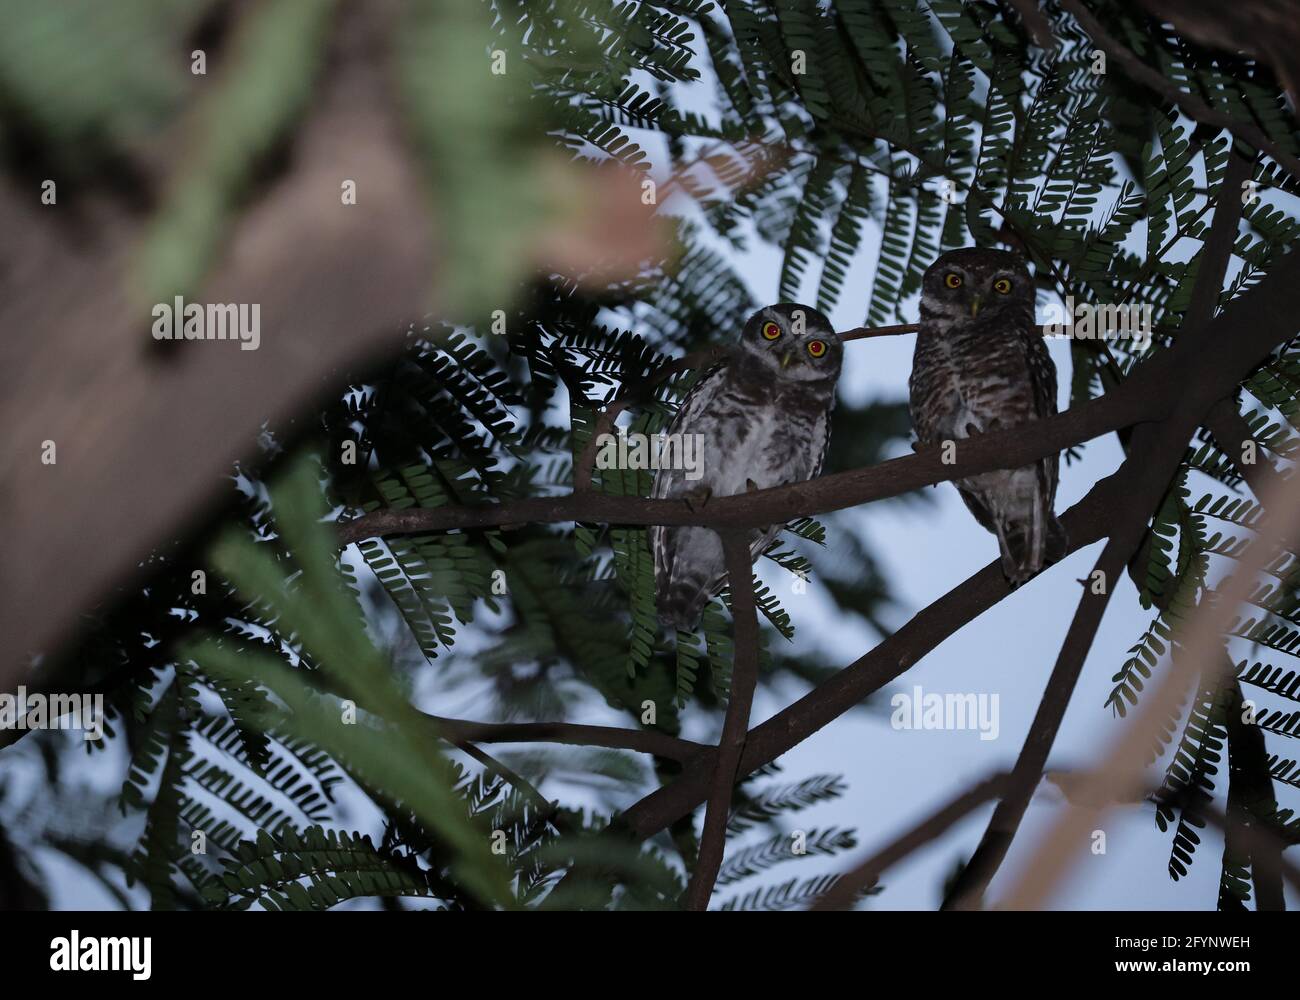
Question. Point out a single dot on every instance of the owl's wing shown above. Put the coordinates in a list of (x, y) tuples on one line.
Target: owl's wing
[(1042, 375), (1042, 372), (1042, 381), (823, 430), (925, 386), (671, 483)]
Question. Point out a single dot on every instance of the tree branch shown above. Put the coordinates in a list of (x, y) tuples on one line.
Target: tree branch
[(1085, 523), (845, 891), (1119, 773), (1219, 356), (735, 728), (1251, 803), (1151, 478), (1008, 448), (1160, 449), (1227, 348)]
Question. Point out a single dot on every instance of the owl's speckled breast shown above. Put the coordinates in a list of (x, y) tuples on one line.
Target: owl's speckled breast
[(969, 377)]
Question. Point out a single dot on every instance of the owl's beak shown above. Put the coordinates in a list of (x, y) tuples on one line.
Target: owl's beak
[(785, 359), (974, 306)]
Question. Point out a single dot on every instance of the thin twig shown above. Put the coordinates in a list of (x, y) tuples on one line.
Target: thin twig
[(864, 875), (863, 332)]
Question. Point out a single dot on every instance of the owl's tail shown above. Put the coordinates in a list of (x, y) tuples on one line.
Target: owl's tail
[(681, 604), (1029, 545)]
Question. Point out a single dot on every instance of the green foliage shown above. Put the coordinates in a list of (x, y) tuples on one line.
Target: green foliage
[(337, 867), (763, 806), (783, 847), (907, 129)]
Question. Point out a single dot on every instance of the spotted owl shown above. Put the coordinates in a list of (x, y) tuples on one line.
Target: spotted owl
[(981, 365), (763, 419)]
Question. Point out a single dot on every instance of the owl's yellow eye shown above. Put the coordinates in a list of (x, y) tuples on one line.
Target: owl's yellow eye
[(771, 331), (1002, 286), (952, 280), (816, 348)]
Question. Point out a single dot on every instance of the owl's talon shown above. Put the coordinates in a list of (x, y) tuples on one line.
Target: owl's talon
[(702, 495), (750, 486)]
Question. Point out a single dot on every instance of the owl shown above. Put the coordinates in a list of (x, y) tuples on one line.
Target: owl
[(981, 365), (762, 418)]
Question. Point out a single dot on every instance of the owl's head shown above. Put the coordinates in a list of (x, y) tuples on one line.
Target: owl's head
[(967, 284), (792, 342)]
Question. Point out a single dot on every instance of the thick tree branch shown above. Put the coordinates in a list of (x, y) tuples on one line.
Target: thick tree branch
[(1086, 522), (1251, 804), (1004, 449), (1265, 848), (744, 675)]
